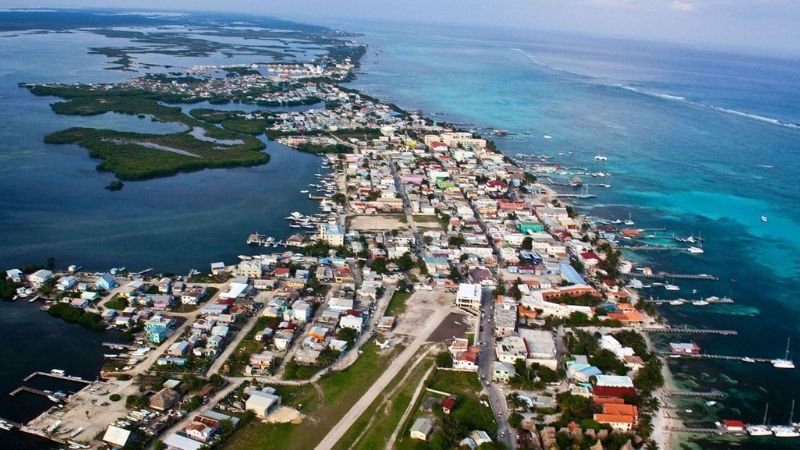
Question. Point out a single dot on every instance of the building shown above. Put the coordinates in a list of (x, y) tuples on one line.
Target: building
[(541, 347), (175, 441), (164, 399), (618, 422), (511, 349), (262, 402), (40, 277), (331, 233), (469, 296), (421, 429), (502, 371), (116, 437), (250, 268), (352, 322)]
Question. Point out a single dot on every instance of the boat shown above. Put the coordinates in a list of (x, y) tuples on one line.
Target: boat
[(671, 287), (677, 302), (629, 222), (600, 158), (5, 425), (294, 226), (699, 303), (58, 372), (547, 136), (764, 218), (758, 430), (785, 362), (785, 431), (53, 398), (304, 191), (695, 250), (748, 359), (711, 403)]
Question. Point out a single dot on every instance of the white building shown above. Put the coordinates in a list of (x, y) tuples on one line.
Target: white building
[(40, 277), (469, 296), (262, 402), (352, 322)]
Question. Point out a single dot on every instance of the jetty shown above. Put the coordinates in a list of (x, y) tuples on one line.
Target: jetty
[(676, 276), (720, 357), (148, 270), (694, 394), (699, 430), (687, 330), (683, 301), (664, 248), (578, 196), (32, 391), (57, 376)]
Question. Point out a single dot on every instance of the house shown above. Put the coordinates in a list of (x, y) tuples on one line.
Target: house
[(164, 399), (116, 437), (217, 268), (14, 275), (199, 431), (421, 429), (502, 371), (262, 402), (475, 439), (467, 360), (618, 422), (469, 296), (179, 348), (352, 322), (105, 282), (66, 283), (40, 277), (448, 404), (175, 441)]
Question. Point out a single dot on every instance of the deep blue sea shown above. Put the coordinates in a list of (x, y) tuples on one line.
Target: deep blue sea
[(698, 142)]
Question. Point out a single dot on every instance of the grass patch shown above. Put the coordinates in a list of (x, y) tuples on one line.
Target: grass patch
[(118, 303), (341, 391), (384, 418), (397, 304)]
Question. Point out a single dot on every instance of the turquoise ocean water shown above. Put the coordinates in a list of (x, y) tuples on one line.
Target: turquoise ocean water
[(698, 142)]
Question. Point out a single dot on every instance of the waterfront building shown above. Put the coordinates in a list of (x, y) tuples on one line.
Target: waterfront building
[(332, 233), (40, 277)]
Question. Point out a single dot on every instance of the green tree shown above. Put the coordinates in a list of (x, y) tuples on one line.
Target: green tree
[(444, 359), (527, 243)]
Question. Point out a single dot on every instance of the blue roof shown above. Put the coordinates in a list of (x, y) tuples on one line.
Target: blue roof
[(570, 274)]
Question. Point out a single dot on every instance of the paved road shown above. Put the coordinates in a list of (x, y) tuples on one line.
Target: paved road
[(382, 382), (497, 399)]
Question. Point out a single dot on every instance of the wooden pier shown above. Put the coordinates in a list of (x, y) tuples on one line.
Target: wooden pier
[(578, 196), (682, 330), (58, 377), (702, 430), (710, 300), (667, 275), (694, 394), (722, 357), (32, 391)]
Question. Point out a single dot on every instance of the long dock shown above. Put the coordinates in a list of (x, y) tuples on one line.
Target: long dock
[(667, 275), (653, 248), (31, 390), (709, 394), (56, 376), (681, 330), (722, 357), (683, 301), (700, 430)]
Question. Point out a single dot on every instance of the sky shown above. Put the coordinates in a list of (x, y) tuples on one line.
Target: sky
[(769, 26)]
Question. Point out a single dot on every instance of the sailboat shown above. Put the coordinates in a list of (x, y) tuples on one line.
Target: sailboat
[(630, 221), (760, 430), (785, 362), (786, 430)]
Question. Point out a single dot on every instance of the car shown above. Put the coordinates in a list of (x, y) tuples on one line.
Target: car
[(502, 435)]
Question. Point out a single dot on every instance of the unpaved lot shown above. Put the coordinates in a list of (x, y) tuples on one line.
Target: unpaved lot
[(376, 223)]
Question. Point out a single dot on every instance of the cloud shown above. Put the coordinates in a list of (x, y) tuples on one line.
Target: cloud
[(681, 6)]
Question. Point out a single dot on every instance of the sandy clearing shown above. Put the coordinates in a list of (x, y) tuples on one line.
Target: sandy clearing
[(376, 223)]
